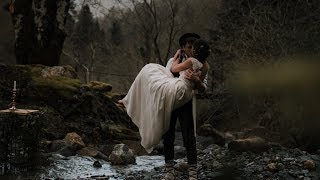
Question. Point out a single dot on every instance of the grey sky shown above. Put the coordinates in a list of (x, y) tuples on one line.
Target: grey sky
[(106, 5)]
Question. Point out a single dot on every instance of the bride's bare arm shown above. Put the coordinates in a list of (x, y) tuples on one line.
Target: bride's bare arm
[(177, 66)]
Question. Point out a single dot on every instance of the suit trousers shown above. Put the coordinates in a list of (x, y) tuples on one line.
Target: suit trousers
[(184, 114)]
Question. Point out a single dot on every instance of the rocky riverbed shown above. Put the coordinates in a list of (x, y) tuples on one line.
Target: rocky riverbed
[(276, 163), (215, 162)]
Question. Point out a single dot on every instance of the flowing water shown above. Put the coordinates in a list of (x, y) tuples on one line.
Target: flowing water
[(79, 167)]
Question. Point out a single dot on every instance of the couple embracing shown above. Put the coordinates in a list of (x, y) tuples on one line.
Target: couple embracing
[(160, 95)]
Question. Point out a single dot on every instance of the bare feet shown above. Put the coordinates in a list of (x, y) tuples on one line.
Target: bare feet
[(121, 105)]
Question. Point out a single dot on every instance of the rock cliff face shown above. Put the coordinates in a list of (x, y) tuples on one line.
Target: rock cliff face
[(69, 106)]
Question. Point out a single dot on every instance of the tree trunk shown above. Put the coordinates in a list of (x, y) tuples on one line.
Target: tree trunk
[(39, 30)]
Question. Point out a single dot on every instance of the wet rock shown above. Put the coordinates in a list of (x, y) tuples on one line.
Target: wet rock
[(122, 155), (97, 164), (254, 144)]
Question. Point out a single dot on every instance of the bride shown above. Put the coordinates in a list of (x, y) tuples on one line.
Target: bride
[(155, 93)]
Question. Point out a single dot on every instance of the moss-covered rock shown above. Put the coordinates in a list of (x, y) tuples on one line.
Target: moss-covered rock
[(33, 85), (69, 106)]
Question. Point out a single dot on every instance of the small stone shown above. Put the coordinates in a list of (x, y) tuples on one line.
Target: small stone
[(280, 166), (181, 167), (275, 159), (266, 159), (271, 167), (305, 172), (309, 164)]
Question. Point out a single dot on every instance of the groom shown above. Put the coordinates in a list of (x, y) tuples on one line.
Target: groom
[(185, 116)]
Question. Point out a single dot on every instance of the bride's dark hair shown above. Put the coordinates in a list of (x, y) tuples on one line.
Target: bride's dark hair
[(201, 50)]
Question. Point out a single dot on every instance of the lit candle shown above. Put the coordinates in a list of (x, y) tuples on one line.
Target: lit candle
[(14, 85)]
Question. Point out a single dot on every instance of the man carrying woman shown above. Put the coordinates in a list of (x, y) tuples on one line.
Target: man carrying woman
[(156, 95), (185, 114)]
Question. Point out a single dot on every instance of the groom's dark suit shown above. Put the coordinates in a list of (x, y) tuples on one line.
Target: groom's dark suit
[(185, 116)]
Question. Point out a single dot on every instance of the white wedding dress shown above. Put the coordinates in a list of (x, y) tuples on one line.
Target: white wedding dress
[(152, 97)]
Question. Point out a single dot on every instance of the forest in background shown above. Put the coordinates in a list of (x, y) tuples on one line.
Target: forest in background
[(242, 33)]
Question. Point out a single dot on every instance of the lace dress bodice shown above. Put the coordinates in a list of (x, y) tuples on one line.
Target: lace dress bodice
[(196, 66)]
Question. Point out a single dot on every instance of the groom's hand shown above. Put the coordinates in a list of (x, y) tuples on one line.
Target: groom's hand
[(191, 75)]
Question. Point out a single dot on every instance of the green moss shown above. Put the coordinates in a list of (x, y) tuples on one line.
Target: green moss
[(64, 87), (99, 86), (110, 95)]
